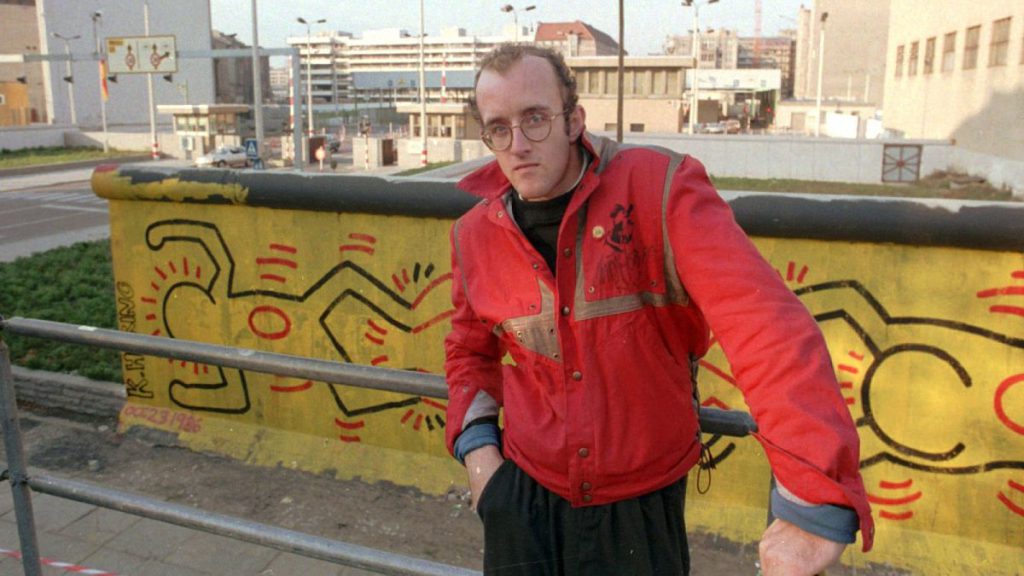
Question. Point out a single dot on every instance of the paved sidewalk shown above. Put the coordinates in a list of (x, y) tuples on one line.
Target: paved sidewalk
[(76, 538)]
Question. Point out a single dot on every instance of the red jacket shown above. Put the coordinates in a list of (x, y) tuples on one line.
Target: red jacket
[(597, 398)]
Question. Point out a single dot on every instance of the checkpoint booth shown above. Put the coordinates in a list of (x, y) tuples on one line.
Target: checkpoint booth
[(202, 127)]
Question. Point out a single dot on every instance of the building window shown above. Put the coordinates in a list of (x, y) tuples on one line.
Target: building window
[(929, 55), (672, 82), (899, 61), (912, 62), (949, 52), (636, 127), (971, 40), (659, 82), (1000, 46), (594, 77), (3, 99)]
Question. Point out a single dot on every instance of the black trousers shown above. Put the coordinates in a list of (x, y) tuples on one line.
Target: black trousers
[(530, 531)]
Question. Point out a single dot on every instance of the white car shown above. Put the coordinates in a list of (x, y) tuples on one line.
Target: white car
[(233, 156)]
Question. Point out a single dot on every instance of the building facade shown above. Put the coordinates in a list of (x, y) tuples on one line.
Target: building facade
[(776, 52), (575, 39), (233, 76), (958, 73), (21, 36), (855, 39)]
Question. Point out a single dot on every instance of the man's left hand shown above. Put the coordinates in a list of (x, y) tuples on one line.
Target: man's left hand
[(787, 550)]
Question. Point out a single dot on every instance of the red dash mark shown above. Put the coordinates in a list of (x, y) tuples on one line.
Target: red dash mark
[(160, 273), (286, 323), (718, 372), (206, 369), (356, 248), (374, 339), (363, 237), (277, 262), (408, 414), (184, 264), (283, 248), (419, 421), (894, 516), (377, 328), (379, 360), (896, 485), (296, 388), (1019, 274), (349, 425), (155, 332), (150, 316), (846, 385), (172, 266), (148, 300), (1005, 386), (1015, 310), (398, 283), (439, 318), (155, 287), (433, 403), (199, 272), (273, 278), (855, 355), (1007, 291), (850, 401), (405, 275), (430, 287), (850, 369), (195, 368), (345, 438), (894, 501), (715, 402)]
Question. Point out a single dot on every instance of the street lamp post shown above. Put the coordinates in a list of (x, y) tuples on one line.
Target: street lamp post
[(515, 16), (96, 17), (423, 96), (695, 51), (309, 68), (68, 78), (257, 84), (821, 62)]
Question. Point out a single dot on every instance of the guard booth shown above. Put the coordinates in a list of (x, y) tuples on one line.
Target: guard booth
[(203, 127)]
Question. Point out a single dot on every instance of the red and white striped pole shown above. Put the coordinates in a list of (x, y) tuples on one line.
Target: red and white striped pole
[(444, 83)]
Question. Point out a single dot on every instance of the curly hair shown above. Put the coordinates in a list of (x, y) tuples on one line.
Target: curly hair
[(502, 58)]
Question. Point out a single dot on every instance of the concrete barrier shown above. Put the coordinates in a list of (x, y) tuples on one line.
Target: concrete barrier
[(920, 301)]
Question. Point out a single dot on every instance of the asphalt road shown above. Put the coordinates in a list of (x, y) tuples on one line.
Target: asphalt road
[(35, 219)]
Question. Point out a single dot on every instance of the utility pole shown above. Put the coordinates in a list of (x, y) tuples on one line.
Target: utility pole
[(155, 154), (423, 97), (257, 82), (821, 69), (69, 79), (102, 59)]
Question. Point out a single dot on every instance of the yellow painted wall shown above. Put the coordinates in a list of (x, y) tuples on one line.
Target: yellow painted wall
[(928, 344)]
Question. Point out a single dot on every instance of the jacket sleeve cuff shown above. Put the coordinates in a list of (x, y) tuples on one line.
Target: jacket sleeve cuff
[(834, 523), (478, 436)]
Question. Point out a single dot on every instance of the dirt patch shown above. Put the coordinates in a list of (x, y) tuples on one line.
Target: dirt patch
[(379, 515)]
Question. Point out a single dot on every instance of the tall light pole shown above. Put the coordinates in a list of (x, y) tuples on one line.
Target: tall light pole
[(423, 96), (695, 51), (257, 82), (309, 68), (821, 68), (155, 150), (515, 15), (68, 78), (101, 59)]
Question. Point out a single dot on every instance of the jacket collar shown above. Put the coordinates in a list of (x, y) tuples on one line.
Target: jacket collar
[(490, 182)]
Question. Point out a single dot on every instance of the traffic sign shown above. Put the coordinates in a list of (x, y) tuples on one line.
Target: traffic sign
[(252, 149), (142, 55)]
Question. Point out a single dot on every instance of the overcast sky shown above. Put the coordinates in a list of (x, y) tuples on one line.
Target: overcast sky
[(647, 21)]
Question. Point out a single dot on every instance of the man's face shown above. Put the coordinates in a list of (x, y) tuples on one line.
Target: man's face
[(537, 170)]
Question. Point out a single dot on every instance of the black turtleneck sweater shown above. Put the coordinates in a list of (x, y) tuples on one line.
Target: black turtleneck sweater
[(539, 222)]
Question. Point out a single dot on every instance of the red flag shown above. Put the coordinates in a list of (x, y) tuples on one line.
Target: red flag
[(103, 80)]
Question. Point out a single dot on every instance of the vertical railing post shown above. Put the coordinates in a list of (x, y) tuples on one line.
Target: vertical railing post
[(17, 471)]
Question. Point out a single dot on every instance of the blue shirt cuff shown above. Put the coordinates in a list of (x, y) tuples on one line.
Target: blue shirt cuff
[(834, 523), (474, 437)]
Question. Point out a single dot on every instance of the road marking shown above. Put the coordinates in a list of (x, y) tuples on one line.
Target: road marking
[(74, 208)]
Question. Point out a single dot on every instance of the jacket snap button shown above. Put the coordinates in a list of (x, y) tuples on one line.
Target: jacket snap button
[(577, 375), (585, 486), (565, 310), (536, 266), (567, 252), (587, 498), (583, 452)]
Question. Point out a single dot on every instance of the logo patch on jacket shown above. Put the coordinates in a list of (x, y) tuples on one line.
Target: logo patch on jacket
[(621, 233)]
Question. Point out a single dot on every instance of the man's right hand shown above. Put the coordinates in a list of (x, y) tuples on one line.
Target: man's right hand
[(480, 466)]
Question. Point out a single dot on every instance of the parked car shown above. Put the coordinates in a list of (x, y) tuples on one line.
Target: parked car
[(712, 128), (233, 156), (733, 126)]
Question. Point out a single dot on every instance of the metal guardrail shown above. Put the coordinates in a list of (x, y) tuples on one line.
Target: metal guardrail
[(712, 421)]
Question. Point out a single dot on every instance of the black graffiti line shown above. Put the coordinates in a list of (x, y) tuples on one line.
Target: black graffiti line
[(904, 320), (887, 457), (150, 230), (165, 301), (865, 394), (215, 386), (371, 409)]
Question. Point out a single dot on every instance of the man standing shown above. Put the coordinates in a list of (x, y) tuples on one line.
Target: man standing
[(598, 270)]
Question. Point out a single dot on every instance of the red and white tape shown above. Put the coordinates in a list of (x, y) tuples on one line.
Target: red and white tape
[(73, 568)]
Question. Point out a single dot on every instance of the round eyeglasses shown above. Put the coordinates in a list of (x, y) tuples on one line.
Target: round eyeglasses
[(535, 126)]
